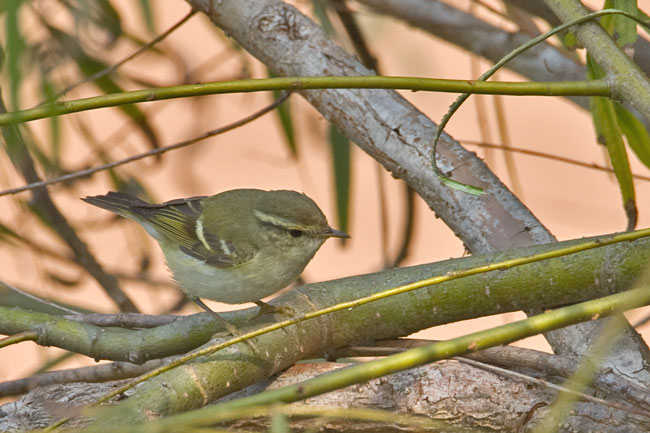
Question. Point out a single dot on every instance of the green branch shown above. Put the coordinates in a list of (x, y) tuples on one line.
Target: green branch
[(570, 88)]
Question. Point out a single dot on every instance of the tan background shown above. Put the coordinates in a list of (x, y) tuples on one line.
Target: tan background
[(571, 201)]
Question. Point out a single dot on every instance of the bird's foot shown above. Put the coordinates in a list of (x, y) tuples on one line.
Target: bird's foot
[(268, 308), (232, 329)]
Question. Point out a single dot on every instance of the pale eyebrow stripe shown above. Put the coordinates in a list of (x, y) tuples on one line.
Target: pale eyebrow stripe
[(273, 220)]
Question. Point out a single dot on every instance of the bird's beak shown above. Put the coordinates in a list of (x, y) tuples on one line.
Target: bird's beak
[(333, 233)]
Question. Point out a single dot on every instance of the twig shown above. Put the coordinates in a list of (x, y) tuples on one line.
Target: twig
[(18, 338), (92, 374), (549, 156), (125, 320)]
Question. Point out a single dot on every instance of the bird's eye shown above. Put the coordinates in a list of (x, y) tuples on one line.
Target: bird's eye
[(295, 233)]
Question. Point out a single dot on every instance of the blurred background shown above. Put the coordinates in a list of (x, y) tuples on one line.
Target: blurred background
[(67, 41)]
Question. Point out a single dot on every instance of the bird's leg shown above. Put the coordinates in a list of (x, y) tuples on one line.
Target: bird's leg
[(232, 329), (268, 308)]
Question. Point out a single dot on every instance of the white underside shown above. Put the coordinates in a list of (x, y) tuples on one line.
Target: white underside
[(233, 285)]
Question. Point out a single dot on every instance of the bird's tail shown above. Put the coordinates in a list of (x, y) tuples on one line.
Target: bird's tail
[(118, 202)]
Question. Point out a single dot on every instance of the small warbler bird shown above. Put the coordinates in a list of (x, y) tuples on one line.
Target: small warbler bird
[(234, 247)]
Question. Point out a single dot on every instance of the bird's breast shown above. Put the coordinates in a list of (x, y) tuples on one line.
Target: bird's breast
[(258, 278)]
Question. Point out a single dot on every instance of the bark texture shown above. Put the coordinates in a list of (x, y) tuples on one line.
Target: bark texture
[(448, 391)]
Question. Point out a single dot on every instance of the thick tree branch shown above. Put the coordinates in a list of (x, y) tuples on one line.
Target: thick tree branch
[(540, 9), (515, 359)]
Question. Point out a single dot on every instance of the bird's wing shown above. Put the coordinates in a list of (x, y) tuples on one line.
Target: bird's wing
[(179, 220)]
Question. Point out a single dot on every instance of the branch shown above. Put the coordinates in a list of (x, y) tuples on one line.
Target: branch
[(94, 374), (538, 8), (153, 152), (583, 88), (517, 359), (550, 282)]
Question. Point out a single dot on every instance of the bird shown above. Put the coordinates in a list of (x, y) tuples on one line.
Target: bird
[(234, 247)]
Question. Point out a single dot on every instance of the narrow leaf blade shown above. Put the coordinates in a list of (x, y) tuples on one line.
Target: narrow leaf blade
[(637, 135), (15, 51), (286, 121), (341, 158), (609, 133), (147, 15)]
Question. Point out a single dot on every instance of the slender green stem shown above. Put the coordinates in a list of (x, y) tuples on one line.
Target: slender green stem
[(573, 88), (18, 338)]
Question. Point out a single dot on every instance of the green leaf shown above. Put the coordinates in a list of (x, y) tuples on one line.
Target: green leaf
[(15, 50), (108, 19), (9, 236), (286, 121), (622, 29), (320, 11), (90, 66), (48, 94), (95, 16), (569, 40), (459, 186), (63, 280), (147, 15), (593, 70), (610, 134), (643, 16), (341, 158), (637, 135)]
